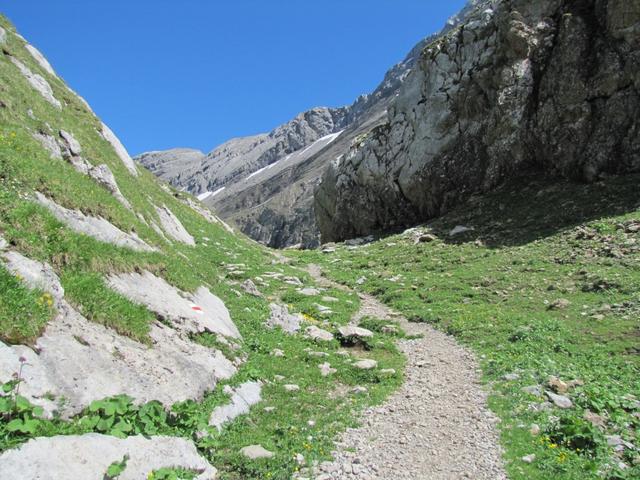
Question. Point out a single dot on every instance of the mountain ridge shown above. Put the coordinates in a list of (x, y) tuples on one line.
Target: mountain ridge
[(265, 211)]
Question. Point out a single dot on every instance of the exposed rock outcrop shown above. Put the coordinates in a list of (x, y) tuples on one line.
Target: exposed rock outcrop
[(95, 227), (120, 150), (280, 317), (173, 227), (67, 147), (82, 361), (38, 57), (89, 456), (38, 82), (189, 313), (242, 399), (551, 85)]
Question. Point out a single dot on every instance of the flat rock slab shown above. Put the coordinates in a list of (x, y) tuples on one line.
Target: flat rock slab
[(436, 426), (87, 457), (103, 175), (190, 313), (353, 332), (173, 227), (560, 401), (242, 399), (38, 57), (318, 334), (37, 82), (122, 153), (83, 361), (95, 227), (280, 317), (36, 275)]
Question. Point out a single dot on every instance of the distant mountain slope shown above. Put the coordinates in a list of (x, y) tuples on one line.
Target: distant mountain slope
[(265, 183)]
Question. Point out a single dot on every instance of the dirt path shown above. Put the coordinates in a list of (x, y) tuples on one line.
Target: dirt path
[(436, 426)]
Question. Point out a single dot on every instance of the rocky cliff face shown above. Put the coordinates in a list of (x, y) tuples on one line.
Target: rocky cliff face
[(265, 183), (550, 85)]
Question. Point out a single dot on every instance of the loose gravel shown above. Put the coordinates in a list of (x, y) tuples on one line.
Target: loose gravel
[(437, 426)]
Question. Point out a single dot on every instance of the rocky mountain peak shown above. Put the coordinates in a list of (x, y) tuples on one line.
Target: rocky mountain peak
[(265, 183)]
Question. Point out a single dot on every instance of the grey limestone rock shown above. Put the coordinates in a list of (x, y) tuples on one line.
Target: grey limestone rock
[(38, 82), (188, 312), (87, 457), (250, 287), (560, 401), (355, 333), (242, 399), (254, 452), (82, 361), (49, 144), (71, 144), (68, 147), (120, 150), (366, 364), (550, 85), (42, 61), (173, 227), (103, 175), (318, 334), (280, 317), (95, 227)]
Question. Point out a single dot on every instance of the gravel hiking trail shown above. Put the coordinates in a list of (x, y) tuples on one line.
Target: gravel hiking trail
[(436, 426)]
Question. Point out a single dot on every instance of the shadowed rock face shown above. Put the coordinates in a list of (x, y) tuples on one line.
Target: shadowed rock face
[(551, 85)]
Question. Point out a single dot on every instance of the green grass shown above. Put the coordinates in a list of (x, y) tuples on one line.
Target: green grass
[(493, 288), (23, 312), (99, 303)]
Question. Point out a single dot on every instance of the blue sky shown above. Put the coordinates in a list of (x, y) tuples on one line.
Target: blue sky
[(195, 73)]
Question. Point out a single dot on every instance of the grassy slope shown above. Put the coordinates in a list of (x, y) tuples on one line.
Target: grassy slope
[(82, 264), (493, 297), (492, 288)]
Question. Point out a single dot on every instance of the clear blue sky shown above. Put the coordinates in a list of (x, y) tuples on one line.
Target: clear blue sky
[(194, 73)]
